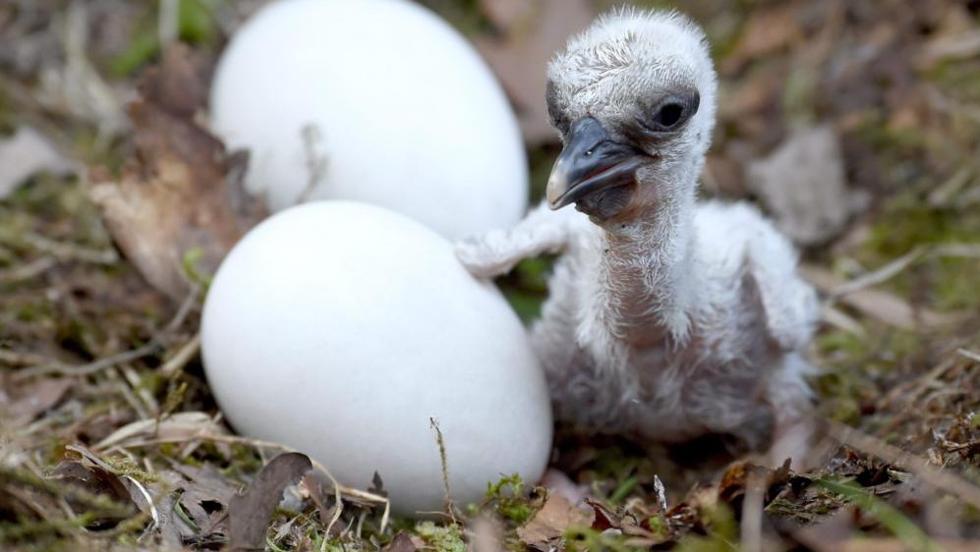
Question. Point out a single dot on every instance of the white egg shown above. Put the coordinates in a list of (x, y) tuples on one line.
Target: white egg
[(399, 110), (340, 328)]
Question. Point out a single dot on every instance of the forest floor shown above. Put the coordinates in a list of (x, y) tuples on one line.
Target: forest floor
[(109, 437)]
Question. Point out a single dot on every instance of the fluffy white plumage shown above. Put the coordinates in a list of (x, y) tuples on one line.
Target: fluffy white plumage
[(668, 318)]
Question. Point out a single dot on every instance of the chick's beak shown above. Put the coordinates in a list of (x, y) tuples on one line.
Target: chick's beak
[(591, 161)]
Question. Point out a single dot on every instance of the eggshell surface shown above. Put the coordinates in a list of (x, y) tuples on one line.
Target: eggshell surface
[(340, 329), (372, 100)]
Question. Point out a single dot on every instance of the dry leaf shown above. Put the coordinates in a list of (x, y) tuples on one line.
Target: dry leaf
[(179, 193), (249, 514), (505, 14), (94, 476), (315, 486), (202, 495), (603, 518), (803, 185), (767, 30), (25, 154), (487, 535), (177, 85), (206, 481), (403, 542), (91, 477), (551, 521), (24, 403), (736, 477), (520, 57)]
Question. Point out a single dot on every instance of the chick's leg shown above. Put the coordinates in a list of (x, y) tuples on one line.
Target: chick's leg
[(791, 400), (496, 253)]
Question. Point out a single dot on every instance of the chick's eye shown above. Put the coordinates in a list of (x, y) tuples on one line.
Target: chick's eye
[(671, 112), (669, 115)]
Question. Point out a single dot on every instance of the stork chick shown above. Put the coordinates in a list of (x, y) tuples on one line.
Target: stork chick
[(667, 318)]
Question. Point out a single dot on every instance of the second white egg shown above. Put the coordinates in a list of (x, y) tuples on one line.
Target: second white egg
[(377, 101)]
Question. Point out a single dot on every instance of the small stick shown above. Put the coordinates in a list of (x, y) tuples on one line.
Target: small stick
[(147, 349), (752, 514), (966, 353), (90, 368), (445, 469), (182, 356), (880, 275)]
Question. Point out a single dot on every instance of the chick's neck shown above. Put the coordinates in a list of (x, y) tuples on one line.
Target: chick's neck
[(648, 267)]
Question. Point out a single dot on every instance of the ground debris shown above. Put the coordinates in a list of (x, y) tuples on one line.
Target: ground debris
[(180, 194), (803, 184)]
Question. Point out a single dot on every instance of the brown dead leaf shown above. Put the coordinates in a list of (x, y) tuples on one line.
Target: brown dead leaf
[(88, 473), (520, 56), (403, 542), (177, 85), (206, 481), (505, 14), (249, 514), (767, 31), (315, 486), (192, 505), (487, 535), (180, 192), (90, 477), (803, 184), (603, 517), (24, 403), (733, 483), (551, 521)]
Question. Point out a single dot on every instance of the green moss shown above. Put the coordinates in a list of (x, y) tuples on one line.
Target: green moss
[(587, 539), (659, 526), (526, 287), (195, 25), (123, 465), (958, 78), (892, 519), (244, 460), (141, 50), (850, 364), (816, 504), (465, 15), (907, 222), (448, 538), (722, 532), (509, 497)]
